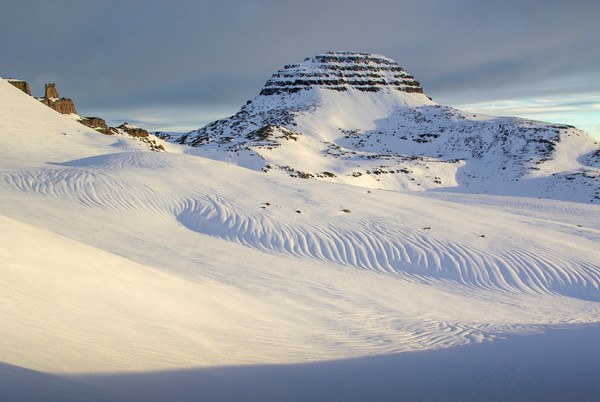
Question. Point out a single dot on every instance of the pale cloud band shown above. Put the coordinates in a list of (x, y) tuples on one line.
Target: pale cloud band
[(580, 110)]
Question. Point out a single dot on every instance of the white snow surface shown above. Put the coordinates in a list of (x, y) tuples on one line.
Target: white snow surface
[(136, 275)]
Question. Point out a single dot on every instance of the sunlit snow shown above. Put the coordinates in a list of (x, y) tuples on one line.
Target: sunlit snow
[(136, 275)]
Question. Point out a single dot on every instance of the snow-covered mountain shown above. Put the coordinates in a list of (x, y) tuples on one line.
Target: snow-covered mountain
[(360, 119), (133, 275)]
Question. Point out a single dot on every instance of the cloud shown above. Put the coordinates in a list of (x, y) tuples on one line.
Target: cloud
[(580, 110), (175, 118), (121, 55)]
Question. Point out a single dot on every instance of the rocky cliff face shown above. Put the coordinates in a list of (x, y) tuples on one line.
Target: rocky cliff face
[(96, 123), (360, 119), (340, 71), (50, 91), (22, 85), (133, 131), (53, 100)]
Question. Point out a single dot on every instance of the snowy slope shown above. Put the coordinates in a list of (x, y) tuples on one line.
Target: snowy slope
[(121, 267), (360, 119)]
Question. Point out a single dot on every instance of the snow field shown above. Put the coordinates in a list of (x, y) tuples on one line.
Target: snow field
[(394, 243), (131, 272)]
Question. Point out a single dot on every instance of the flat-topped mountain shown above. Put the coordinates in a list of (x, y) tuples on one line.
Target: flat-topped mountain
[(361, 119), (340, 71)]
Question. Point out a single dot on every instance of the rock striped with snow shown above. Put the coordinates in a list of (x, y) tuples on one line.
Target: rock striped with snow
[(340, 71)]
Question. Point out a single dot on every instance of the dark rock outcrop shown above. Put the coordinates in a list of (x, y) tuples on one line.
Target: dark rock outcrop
[(133, 131), (97, 124), (139, 133), (51, 92), (22, 85), (53, 100)]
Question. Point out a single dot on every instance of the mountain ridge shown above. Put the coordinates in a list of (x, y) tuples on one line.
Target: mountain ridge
[(361, 119)]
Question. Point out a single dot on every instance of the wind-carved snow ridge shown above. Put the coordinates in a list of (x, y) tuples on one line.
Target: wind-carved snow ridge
[(395, 250), (369, 244), (117, 161), (93, 182), (92, 189)]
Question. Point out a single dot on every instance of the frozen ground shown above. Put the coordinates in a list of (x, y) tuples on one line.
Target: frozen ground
[(135, 275)]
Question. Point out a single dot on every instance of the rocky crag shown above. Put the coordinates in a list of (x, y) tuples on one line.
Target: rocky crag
[(66, 106), (97, 123), (54, 101), (133, 131), (22, 85), (139, 133), (361, 119)]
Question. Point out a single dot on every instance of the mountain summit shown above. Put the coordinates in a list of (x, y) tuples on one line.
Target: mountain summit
[(340, 71), (360, 119)]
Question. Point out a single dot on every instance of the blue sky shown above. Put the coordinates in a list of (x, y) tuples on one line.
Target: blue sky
[(180, 64)]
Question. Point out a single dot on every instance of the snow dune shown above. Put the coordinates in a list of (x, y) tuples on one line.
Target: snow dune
[(377, 243), (396, 249)]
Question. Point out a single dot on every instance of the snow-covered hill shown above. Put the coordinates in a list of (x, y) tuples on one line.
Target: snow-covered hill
[(360, 119), (135, 275)]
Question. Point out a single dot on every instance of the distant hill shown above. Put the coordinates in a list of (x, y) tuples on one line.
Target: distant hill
[(360, 119)]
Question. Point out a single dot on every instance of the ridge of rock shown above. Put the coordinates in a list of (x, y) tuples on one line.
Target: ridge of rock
[(22, 85), (52, 99), (134, 131), (97, 123), (66, 106)]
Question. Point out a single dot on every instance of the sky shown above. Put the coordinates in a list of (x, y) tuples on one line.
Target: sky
[(177, 65)]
